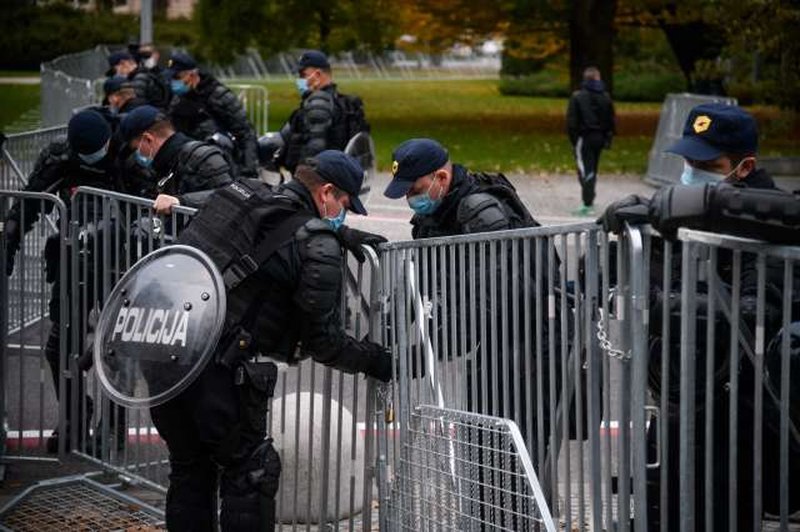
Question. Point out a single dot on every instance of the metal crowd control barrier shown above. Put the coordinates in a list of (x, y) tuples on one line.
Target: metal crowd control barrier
[(255, 99), (320, 419), (20, 152), (738, 410), (27, 402), (515, 324)]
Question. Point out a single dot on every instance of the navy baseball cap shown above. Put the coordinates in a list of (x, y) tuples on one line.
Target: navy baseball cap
[(117, 57), (716, 129), (87, 132), (180, 62), (314, 59), (343, 171), (114, 84), (138, 121), (411, 160)]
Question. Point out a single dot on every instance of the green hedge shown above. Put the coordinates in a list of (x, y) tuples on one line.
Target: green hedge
[(628, 86)]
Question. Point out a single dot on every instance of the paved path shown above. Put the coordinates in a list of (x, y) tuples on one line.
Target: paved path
[(20, 80)]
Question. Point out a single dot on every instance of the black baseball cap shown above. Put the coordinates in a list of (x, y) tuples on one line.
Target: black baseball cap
[(138, 121), (117, 57), (343, 171), (115, 84), (716, 129), (180, 62), (411, 160), (313, 59)]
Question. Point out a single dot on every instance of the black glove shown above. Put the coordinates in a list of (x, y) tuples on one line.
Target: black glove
[(632, 209), (12, 244), (353, 239), (380, 365)]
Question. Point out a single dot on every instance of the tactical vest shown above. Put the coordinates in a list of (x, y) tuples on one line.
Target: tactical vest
[(240, 227)]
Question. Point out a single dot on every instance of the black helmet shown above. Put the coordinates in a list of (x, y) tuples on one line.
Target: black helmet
[(270, 149), (772, 376)]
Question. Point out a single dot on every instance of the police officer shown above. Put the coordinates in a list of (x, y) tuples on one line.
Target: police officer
[(590, 126), (203, 106), (121, 64), (326, 118), (447, 199), (292, 297), (723, 191), (80, 160), (186, 170), (121, 95)]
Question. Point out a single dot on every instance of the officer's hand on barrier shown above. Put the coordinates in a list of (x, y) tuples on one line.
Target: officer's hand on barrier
[(353, 239), (380, 366), (632, 209), (164, 203)]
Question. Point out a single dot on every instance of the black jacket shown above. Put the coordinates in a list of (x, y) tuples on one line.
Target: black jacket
[(466, 208), (190, 169), (325, 120), (211, 107), (291, 304), (590, 110), (151, 86)]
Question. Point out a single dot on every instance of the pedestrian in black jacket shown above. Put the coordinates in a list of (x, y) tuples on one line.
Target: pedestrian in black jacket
[(186, 170), (590, 125), (203, 106)]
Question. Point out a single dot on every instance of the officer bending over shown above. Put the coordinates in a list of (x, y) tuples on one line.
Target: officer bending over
[(202, 106), (284, 298), (82, 159), (186, 170)]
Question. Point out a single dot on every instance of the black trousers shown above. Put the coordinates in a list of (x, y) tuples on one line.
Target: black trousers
[(587, 157), (212, 430)]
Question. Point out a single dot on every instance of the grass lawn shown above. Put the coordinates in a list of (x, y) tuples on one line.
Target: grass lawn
[(16, 100), (482, 129), (488, 131)]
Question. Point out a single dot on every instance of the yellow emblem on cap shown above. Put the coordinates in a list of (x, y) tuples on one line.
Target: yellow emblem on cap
[(701, 123), (169, 63), (395, 166)]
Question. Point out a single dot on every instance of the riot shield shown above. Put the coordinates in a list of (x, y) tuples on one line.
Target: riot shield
[(159, 327)]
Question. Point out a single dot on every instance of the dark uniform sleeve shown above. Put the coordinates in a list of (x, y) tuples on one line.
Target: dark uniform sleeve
[(207, 170), (573, 119), (318, 119), (482, 212), (228, 112), (318, 297)]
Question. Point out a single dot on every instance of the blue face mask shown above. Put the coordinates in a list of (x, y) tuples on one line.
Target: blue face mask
[(179, 87), (423, 203), (337, 221), (695, 177), (302, 85), (96, 157)]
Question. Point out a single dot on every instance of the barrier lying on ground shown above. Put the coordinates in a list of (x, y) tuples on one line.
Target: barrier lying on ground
[(578, 344)]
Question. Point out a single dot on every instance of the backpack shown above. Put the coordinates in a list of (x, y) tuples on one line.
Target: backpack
[(239, 228), (350, 120), (500, 187)]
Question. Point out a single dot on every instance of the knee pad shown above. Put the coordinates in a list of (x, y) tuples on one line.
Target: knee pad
[(248, 491)]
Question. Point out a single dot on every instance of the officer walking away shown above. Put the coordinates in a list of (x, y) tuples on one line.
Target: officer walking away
[(203, 106), (186, 171), (284, 290), (447, 199), (81, 159), (326, 118), (590, 126)]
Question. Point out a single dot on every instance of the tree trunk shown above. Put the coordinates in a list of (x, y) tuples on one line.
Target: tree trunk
[(324, 14), (591, 39)]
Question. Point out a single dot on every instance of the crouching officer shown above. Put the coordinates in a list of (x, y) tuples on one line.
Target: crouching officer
[(82, 159), (186, 171), (280, 255), (203, 106)]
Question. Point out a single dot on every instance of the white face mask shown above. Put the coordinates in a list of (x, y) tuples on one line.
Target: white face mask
[(150, 62)]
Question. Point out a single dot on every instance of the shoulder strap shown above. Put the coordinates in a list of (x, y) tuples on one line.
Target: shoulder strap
[(248, 264)]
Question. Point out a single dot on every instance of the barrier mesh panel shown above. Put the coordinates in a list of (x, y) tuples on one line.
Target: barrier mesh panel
[(77, 504)]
